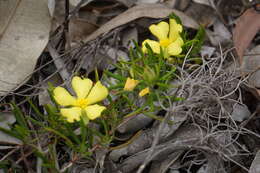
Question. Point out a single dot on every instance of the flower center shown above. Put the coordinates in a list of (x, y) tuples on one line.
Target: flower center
[(81, 103), (165, 42)]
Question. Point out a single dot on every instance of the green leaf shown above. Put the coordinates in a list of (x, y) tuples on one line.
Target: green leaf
[(51, 110), (83, 134), (19, 116), (36, 110), (11, 133), (169, 74), (69, 142), (116, 76), (177, 18), (68, 131), (151, 115), (196, 43)]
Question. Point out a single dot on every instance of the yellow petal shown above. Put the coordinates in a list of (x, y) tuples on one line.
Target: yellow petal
[(63, 97), (94, 111), (174, 48), (98, 92), (81, 86), (143, 92), (155, 46), (175, 30), (160, 30), (130, 84), (179, 41), (71, 114)]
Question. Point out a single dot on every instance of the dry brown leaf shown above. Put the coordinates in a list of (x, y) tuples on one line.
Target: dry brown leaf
[(139, 11), (246, 28), (203, 14), (80, 26), (23, 41), (79, 29)]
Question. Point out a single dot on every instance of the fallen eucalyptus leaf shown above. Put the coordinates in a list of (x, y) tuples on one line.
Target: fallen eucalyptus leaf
[(134, 124), (181, 5), (163, 166), (185, 136), (145, 139), (251, 64), (139, 11), (7, 10), (255, 166), (246, 28), (203, 14), (22, 43)]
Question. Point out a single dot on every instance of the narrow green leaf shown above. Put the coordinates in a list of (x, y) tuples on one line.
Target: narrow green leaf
[(11, 133), (36, 110), (116, 76), (69, 142), (19, 116)]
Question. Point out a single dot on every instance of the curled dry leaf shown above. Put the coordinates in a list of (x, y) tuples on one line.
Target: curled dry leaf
[(246, 28), (22, 41), (139, 11), (133, 124), (145, 138)]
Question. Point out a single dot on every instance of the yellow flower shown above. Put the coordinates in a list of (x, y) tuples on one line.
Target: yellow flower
[(143, 92), (169, 38), (130, 84), (87, 96)]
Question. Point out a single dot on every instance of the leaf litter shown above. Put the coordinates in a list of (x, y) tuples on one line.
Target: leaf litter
[(214, 129)]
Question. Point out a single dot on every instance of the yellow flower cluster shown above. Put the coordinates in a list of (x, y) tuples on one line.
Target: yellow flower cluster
[(169, 38), (87, 96), (130, 84)]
